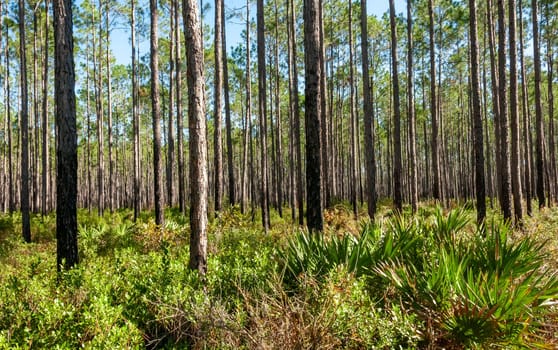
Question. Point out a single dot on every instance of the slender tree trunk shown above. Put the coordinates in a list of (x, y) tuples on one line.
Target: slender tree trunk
[(111, 186), (198, 143), (325, 117), (368, 116), (312, 53), (66, 144), (278, 129), (170, 125), (156, 115), (434, 107), (248, 116), (514, 117), (353, 153), (538, 107), (295, 110), (411, 110), (179, 110), (45, 153), (11, 185), (397, 168), (477, 115), (526, 118), (135, 117), (262, 112), (24, 190), (230, 150), (217, 99), (100, 138), (505, 175)]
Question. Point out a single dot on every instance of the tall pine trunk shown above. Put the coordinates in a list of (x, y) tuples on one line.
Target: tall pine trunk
[(217, 99), (198, 143), (397, 167)]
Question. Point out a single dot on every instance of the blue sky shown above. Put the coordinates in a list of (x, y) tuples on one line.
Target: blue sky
[(120, 37)]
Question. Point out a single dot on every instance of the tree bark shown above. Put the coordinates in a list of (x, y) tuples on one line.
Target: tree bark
[(505, 175), (411, 111), (312, 103), (526, 118), (262, 112), (156, 115), (514, 117), (368, 116), (353, 129), (538, 107), (480, 190), (397, 183), (435, 144), (230, 150), (45, 154), (66, 148), (217, 107), (179, 112), (198, 143), (24, 190), (135, 117)]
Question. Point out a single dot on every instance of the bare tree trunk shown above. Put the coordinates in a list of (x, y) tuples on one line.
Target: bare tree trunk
[(538, 107), (230, 150), (66, 145), (526, 118), (262, 113), (368, 116), (179, 111), (170, 125), (45, 186), (100, 139), (217, 99), (477, 115), (247, 121), (411, 111), (136, 120), (514, 117), (295, 110), (198, 143), (354, 175), (325, 118), (278, 129), (156, 115), (397, 184), (434, 107), (11, 185), (505, 175), (24, 190), (313, 72)]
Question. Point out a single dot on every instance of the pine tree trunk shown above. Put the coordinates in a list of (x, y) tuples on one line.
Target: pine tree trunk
[(397, 167), (368, 116), (436, 187), (24, 190), (217, 107), (198, 142), (170, 125), (411, 111), (247, 117), (262, 112), (135, 117), (514, 117), (45, 154), (353, 129), (156, 115), (66, 145), (230, 150), (480, 190), (179, 111), (538, 107), (312, 102)]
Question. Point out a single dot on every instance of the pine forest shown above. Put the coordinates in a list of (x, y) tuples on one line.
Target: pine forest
[(278, 174)]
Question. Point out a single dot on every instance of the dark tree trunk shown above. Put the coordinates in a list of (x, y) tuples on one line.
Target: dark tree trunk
[(230, 150), (24, 190), (156, 115), (45, 153), (477, 116), (411, 111), (198, 142), (179, 112), (368, 116), (170, 124), (397, 168), (295, 110), (538, 107), (217, 99), (436, 188), (262, 112), (526, 118), (66, 140), (312, 118), (135, 117), (514, 117), (505, 175), (352, 107)]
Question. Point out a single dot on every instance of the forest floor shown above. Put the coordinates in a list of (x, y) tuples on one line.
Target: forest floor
[(430, 280)]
